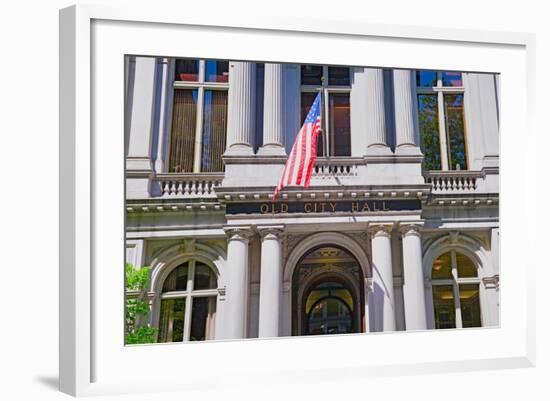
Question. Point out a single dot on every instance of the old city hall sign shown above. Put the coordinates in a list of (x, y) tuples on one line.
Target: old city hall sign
[(372, 206)]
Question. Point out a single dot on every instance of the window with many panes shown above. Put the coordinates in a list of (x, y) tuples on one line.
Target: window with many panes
[(188, 303), (334, 84), (199, 116), (441, 120), (455, 288)]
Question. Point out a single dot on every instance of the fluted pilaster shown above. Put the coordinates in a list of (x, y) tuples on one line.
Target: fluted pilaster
[(241, 117), (374, 102), (406, 129), (274, 115)]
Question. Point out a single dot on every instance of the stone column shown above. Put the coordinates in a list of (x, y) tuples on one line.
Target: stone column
[(383, 294), (406, 127), (237, 282), (140, 125), (271, 278), (241, 118), (414, 299), (274, 115), (375, 110)]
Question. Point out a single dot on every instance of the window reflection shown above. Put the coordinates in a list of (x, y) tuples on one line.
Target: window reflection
[(202, 323), (444, 307), (428, 121), (177, 279), (338, 76), (182, 142), (187, 70), (451, 78), (426, 78), (214, 130), (454, 121), (311, 74), (339, 117), (172, 317), (469, 305), (216, 71)]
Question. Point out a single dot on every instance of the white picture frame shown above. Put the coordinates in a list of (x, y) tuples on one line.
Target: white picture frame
[(94, 38)]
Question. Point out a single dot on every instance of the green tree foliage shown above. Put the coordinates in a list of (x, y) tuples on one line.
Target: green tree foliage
[(137, 307)]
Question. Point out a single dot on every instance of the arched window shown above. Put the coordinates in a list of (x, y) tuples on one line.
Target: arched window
[(188, 303), (455, 288)]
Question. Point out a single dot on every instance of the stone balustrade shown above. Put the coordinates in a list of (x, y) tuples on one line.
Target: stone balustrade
[(189, 185), (453, 181)]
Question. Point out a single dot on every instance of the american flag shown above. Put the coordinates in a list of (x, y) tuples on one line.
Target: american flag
[(300, 162)]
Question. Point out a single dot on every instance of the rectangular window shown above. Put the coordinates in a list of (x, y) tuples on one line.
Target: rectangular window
[(428, 121), (199, 116), (454, 123), (184, 119), (444, 307), (172, 320), (202, 322), (335, 140), (214, 130), (469, 305), (339, 117), (440, 97)]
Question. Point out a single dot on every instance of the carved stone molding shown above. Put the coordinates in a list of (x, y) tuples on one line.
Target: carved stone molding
[(491, 283), (378, 230), (271, 232), (243, 233), (410, 229)]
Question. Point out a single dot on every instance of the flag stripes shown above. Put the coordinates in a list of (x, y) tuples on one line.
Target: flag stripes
[(299, 164)]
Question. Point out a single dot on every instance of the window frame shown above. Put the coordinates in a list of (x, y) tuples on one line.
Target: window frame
[(189, 294), (200, 85), (455, 282), (326, 90), (440, 91)]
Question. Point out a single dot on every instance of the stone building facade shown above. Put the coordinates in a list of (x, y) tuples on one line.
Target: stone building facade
[(399, 229)]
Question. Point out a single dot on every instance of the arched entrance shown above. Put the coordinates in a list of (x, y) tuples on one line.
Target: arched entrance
[(327, 291)]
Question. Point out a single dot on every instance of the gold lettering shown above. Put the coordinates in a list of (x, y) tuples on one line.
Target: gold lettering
[(384, 206), (354, 206), (366, 207), (333, 206), (307, 207), (322, 206), (374, 206), (264, 208), (284, 208)]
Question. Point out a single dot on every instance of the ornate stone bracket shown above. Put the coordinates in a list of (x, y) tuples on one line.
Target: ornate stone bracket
[(491, 283)]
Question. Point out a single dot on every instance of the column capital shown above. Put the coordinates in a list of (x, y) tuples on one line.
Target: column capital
[(238, 233), (410, 228), (380, 230), (271, 232)]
